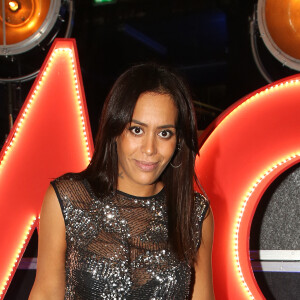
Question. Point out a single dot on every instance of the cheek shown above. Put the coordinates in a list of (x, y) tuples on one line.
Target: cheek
[(125, 146), (168, 150)]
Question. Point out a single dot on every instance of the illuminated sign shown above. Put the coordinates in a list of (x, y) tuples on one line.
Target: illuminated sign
[(51, 136), (242, 152)]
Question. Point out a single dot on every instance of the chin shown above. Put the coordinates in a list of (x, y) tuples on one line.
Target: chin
[(146, 181)]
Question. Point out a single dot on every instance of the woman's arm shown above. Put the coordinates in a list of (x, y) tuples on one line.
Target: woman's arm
[(50, 276), (203, 288)]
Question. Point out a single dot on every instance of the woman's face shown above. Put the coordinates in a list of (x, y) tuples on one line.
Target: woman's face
[(147, 144)]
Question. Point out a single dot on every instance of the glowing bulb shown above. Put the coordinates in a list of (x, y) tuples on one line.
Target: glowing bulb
[(13, 5)]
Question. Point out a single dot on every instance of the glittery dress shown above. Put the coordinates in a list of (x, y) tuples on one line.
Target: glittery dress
[(117, 246)]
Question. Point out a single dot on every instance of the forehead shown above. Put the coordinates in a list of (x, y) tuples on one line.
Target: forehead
[(155, 108)]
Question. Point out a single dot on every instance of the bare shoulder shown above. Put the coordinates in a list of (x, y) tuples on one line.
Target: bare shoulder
[(208, 228), (203, 288), (50, 276), (50, 204)]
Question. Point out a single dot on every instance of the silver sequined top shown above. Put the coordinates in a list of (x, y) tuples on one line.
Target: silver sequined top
[(117, 246)]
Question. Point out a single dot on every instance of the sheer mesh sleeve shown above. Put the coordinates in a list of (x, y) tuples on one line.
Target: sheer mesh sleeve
[(201, 209)]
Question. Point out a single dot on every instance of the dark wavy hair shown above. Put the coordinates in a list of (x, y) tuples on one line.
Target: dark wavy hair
[(117, 112)]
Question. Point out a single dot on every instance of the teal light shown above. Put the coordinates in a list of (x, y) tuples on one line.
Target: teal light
[(96, 2)]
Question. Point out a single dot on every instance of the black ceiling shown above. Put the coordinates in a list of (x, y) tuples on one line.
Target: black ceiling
[(206, 40)]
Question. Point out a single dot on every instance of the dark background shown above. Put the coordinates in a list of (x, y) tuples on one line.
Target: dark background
[(207, 41)]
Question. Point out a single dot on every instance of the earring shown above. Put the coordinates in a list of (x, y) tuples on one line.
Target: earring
[(175, 167), (178, 147)]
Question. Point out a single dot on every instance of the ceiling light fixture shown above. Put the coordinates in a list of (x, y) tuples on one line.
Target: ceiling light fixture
[(278, 24), (26, 25)]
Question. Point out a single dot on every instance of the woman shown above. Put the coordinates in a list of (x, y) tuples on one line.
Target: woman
[(131, 226)]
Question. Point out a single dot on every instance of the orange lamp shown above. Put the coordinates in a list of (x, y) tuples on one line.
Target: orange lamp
[(279, 26), (25, 23)]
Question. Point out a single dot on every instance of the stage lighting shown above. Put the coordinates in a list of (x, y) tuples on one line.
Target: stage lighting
[(27, 30), (25, 23), (279, 27)]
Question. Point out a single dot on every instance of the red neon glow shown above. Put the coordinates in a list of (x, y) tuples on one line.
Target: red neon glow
[(253, 142), (51, 136), (242, 152)]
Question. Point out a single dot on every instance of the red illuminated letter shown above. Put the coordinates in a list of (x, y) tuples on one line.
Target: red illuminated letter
[(51, 136), (248, 146)]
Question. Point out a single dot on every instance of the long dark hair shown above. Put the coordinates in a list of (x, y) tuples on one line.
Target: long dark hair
[(117, 112)]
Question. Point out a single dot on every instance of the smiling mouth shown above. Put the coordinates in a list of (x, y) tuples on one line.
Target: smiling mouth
[(146, 166)]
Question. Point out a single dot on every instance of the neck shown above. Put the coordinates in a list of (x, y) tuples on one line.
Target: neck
[(141, 190)]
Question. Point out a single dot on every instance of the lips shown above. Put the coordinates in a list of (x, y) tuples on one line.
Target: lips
[(145, 165)]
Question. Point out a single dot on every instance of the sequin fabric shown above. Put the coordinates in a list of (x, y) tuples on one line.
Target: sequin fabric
[(117, 246)]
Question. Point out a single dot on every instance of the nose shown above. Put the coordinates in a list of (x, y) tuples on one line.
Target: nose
[(149, 145)]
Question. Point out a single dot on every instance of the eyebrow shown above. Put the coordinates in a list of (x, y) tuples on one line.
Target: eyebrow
[(160, 127)]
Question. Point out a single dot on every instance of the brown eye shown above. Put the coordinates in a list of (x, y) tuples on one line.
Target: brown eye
[(136, 130), (166, 134)]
